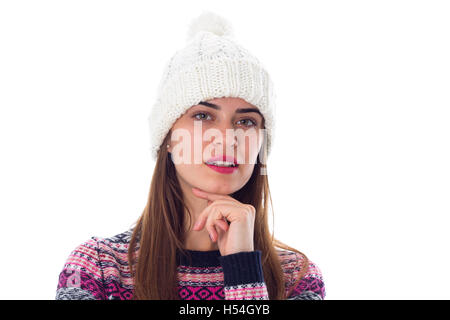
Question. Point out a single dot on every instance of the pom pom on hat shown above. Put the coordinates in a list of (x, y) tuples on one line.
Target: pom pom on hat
[(210, 22)]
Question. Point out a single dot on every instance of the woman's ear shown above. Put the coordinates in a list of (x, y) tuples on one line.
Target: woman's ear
[(168, 146)]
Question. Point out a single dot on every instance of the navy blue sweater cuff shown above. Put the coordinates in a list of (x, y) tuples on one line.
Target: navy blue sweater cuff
[(242, 268)]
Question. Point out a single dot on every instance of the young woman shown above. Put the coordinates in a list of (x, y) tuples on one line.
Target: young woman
[(204, 233)]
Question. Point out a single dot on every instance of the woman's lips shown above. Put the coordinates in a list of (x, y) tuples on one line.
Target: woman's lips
[(223, 158), (223, 169), (226, 170)]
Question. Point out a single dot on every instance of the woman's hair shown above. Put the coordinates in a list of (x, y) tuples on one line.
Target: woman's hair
[(160, 231)]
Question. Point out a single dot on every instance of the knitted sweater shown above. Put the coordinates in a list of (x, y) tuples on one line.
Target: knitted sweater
[(98, 269)]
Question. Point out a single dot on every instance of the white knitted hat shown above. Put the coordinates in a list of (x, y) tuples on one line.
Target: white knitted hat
[(212, 65)]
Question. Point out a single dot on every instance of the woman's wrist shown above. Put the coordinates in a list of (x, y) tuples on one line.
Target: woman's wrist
[(242, 267)]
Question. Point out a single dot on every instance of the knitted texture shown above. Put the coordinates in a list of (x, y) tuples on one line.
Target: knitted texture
[(98, 269), (212, 65)]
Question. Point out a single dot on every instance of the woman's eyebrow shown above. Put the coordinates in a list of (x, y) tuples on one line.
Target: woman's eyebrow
[(240, 110)]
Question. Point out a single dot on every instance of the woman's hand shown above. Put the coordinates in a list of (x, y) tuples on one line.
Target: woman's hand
[(234, 237)]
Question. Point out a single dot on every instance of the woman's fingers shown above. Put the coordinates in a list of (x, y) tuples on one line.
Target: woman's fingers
[(215, 220), (222, 224), (216, 217), (218, 205), (212, 232)]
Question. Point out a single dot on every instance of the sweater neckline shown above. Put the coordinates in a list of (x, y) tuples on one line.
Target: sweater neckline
[(196, 258)]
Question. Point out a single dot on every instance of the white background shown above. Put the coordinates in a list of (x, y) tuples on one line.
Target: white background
[(359, 170)]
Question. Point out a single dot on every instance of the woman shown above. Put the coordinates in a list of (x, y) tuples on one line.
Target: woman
[(204, 232)]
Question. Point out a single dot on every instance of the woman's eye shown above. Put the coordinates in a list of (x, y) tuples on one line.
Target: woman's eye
[(200, 114), (253, 123)]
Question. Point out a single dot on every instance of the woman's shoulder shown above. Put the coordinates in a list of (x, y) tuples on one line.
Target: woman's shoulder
[(93, 265), (88, 254), (294, 264), (295, 261), (113, 253), (116, 244)]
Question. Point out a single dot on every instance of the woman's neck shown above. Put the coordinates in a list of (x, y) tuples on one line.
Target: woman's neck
[(195, 240)]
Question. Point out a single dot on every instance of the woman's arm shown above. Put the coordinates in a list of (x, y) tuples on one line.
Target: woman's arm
[(311, 287), (243, 276), (244, 279), (81, 277)]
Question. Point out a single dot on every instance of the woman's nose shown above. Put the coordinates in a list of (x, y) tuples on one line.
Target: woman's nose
[(227, 136), (229, 141)]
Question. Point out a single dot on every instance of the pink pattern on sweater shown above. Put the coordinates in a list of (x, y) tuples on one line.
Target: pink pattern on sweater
[(98, 269)]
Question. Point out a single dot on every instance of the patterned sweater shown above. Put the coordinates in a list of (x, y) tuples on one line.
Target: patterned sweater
[(98, 269)]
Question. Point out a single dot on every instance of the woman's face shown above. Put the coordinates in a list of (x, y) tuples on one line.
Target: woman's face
[(224, 127)]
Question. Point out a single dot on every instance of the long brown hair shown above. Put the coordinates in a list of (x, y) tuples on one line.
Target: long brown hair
[(160, 231)]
